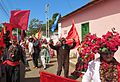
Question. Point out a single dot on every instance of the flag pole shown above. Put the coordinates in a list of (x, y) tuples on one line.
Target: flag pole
[(47, 20), (17, 33), (46, 10)]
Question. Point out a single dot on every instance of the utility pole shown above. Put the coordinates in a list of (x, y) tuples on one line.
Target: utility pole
[(47, 19)]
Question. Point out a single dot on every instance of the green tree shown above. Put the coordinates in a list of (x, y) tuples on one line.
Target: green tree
[(34, 26), (54, 16), (51, 22), (43, 29), (0, 27)]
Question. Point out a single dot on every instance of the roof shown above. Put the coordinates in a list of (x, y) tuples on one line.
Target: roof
[(92, 3)]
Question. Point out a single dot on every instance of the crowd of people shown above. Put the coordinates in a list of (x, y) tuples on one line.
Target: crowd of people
[(40, 51), (102, 69), (15, 51)]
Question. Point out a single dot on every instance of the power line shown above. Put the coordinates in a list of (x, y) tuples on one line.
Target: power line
[(2, 2), (3, 9), (47, 19), (10, 6)]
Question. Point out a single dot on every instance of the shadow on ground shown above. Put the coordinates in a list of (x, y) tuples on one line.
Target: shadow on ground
[(49, 65), (35, 79), (73, 77)]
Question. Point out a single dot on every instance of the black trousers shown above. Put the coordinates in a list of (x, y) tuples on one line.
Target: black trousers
[(65, 66), (12, 73), (35, 59)]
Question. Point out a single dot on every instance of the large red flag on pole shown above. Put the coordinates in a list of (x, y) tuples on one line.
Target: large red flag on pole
[(2, 44), (72, 34), (20, 18)]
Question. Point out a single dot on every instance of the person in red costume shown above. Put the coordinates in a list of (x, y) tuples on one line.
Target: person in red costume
[(105, 68)]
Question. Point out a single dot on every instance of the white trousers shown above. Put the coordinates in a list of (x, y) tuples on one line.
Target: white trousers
[(43, 61)]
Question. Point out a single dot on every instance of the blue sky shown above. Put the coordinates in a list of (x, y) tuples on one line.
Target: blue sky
[(37, 7)]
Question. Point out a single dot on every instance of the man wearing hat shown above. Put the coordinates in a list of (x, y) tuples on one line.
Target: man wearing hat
[(12, 62), (63, 50)]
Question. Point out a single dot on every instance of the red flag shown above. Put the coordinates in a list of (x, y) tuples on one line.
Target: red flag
[(20, 18), (2, 44), (72, 34), (48, 77), (9, 27), (2, 32)]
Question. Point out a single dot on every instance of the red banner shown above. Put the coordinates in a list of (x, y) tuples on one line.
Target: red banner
[(2, 44), (9, 27), (20, 18), (72, 34), (48, 77)]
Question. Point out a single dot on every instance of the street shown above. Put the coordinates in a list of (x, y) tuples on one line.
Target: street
[(34, 74)]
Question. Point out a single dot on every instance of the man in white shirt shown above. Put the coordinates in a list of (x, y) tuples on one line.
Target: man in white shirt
[(30, 47)]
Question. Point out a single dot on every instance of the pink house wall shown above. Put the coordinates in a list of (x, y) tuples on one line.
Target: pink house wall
[(101, 17)]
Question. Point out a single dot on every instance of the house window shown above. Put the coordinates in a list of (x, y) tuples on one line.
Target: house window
[(84, 29)]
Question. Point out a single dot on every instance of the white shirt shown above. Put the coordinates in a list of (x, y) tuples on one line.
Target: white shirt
[(92, 74), (30, 47)]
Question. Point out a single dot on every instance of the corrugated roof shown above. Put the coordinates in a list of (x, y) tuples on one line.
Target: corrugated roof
[(93, 2)]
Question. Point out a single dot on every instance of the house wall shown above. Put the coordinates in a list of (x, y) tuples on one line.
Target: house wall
[(101, 17)]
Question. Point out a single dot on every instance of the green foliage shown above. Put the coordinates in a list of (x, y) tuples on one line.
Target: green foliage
[(53, 20), (35, 25), (19, 31), (0, 27), (50, 24), (54, 16), (43, 27)]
